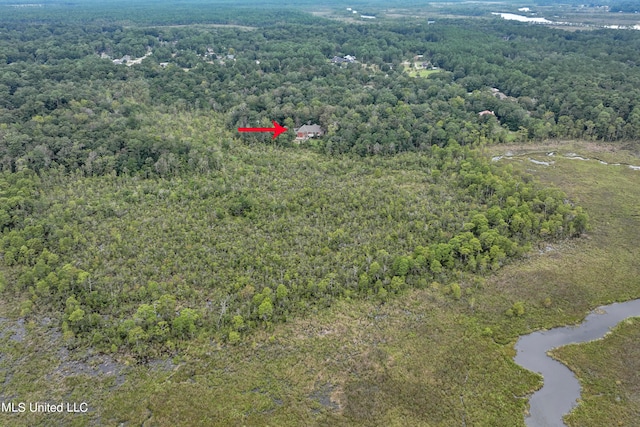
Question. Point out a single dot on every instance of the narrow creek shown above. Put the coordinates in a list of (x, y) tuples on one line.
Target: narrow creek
[(571, 156), (561, 388)]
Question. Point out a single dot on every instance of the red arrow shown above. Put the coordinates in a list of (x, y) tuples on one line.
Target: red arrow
[(277, 130)]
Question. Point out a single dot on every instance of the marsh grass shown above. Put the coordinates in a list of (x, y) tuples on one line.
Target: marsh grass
[(422, 358)]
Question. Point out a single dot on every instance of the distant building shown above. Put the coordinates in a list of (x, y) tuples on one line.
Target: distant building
[(308, 131), (339, 60), (496, 92), (426, 65), (486, 112)]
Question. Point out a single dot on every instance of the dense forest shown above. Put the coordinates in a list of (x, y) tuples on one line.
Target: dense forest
[(254, 243), (130, 207), (62, 104)]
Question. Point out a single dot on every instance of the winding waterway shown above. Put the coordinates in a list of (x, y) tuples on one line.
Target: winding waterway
[(561, 388)]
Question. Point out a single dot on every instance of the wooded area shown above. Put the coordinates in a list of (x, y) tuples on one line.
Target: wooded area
[(98, 157), (64, 105)]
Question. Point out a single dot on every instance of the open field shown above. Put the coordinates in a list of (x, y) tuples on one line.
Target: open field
[(412, 71), (363, 363), (421, 73)]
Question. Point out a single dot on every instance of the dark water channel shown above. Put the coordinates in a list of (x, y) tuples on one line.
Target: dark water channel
[(561, 388)]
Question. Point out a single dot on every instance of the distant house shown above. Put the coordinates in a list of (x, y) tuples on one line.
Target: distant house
[(308, 131), (339, 60), (496, 92), (122, 60), (486, 112), (423, 65)]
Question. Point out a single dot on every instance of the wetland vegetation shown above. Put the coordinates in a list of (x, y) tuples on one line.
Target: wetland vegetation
[(169, 270)]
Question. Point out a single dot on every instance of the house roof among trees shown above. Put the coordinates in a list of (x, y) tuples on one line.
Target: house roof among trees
[(310, 129)]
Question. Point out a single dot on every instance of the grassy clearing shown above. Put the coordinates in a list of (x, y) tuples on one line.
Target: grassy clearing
[(414, 72), (423, 358), (422, 73)]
